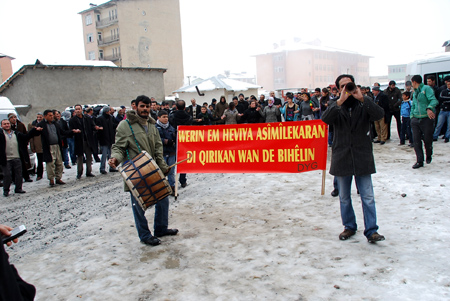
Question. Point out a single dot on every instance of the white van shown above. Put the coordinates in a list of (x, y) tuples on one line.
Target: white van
[(7, 107)]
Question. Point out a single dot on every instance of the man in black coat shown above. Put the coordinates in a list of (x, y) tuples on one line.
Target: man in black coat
[(180, 117), (352, 154), (106, 136), (13, 148), (380, 125), (394, 96), (64, 129), (52, 136), (83, 140)]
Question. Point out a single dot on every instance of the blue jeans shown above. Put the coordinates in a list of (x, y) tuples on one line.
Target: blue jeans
[(71, 143), (364, 185), (161, 220), (65, 152), (444, 116), (106, 154), (171, 176)]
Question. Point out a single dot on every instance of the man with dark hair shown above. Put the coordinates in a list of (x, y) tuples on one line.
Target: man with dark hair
[(316, 101), (133, 104), (64, 129), (36, 146), (444, 115), (380, 125), (52, 147), (153, 109), (422, 119), (180, 117), (352, 154), (431, 81), (138, 134), (83, 140), (395, 100)]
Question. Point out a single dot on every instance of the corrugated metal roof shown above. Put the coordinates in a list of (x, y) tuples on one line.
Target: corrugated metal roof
[(218, 82)]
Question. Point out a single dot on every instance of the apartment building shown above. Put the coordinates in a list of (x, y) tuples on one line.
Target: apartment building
[(304, 65), (136, 33)]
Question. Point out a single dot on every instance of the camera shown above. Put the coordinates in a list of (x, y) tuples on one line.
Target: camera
[(350, 87)]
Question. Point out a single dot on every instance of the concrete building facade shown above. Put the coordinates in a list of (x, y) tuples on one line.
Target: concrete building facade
[(44, 87), (137, 33), (309, 66)]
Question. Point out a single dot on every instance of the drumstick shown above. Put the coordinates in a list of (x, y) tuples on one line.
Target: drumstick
[(190, 156)]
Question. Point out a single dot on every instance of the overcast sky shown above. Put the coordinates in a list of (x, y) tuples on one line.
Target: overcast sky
[(224, 35)]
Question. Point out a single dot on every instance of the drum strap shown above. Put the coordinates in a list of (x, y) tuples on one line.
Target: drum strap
[(134, 136)]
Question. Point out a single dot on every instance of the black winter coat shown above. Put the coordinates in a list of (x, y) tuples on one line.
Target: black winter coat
[(395, 99), (47, 155), (352, 152), (106, 136), (382, 100), (88, 132), (180, 118), (64, 129), (251, 116)]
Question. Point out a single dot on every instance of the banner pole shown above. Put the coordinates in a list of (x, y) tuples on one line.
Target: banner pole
[(177, 176), (323, 182)]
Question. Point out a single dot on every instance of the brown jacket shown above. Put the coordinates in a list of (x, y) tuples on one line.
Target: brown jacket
[(35, 142)]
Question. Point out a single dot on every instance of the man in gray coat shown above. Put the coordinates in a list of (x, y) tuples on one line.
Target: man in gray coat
[(352, 154)]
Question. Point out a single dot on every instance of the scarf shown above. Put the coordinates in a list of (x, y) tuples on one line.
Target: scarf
[(163, 125), (142, 121)]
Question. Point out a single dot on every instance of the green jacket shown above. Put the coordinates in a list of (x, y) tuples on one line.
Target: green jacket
[(149, 141), (423, 99)]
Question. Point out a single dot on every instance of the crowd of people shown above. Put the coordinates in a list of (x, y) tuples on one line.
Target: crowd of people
[(78, 136)]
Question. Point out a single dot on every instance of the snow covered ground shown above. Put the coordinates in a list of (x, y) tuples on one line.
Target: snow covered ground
[(242, 237)]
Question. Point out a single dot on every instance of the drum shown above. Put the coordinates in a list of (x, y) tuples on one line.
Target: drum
[(146, 181)]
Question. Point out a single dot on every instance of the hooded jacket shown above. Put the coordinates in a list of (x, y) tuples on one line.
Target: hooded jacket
[(148, 141), (221, 106)]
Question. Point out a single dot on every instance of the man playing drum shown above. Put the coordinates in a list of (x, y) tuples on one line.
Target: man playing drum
[(138, 133)]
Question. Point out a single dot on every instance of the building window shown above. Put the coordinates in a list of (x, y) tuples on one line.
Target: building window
[(92, 55), (98, 18), (100, 54), (88, 19), (99, 36), (90, 38)]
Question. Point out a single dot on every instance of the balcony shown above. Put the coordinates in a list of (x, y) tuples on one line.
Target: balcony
[(108, 41), (112, 58), (106, 22)]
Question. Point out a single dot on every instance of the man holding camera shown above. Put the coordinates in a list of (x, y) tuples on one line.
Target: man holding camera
[(352, 154)]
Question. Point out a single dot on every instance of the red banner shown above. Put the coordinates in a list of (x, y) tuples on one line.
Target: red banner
[(284, 147)]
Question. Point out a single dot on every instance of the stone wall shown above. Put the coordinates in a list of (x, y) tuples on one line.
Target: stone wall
[(51, 87)]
